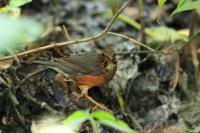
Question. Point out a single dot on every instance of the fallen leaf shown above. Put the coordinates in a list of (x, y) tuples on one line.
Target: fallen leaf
[(5, 64)]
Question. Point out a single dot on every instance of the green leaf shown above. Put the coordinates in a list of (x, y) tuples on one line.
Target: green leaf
[(125, 19), (165, 34), (18, 3), (119, 125), (186, 5), (109, 120), (103, 115), (95, 126), (161, 3), (16, 31), (129, 21), (15, 11), (156, 34), (75, 120), (180, 3)]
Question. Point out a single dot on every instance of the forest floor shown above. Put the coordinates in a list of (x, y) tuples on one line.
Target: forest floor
[(151, 92)]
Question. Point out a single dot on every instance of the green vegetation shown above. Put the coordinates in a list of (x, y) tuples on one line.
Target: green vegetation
[(13, 7), (16, 32), (183, 5), (96, 118)]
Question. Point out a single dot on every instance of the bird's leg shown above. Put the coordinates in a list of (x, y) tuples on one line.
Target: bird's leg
[(98, 105), (84, 93)]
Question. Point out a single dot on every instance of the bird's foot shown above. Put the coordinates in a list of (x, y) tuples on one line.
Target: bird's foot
[(83, 93), (97, 104)]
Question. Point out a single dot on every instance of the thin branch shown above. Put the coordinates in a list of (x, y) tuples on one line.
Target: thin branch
[(134, 122), (193, 47), (176, 74), (101, 106), (87, 39), (132, 52), (66, 32), (132, 40), (30, 75), (142, 29), (42, 104), (14, 102)]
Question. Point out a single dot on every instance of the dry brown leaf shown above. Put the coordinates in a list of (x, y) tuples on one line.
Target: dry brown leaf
[(5, 64)]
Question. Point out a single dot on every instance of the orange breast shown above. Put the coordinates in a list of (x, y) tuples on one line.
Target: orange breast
[(89, 80)]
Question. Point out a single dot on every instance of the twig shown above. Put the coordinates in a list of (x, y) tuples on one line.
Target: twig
[(187, 47), (132, 40), (22, 122), (30, 75), (142, 29), (66, 32), (41, 104), (193, 47), (176, 77), (137, 124), (120, 99), (97, 104), (14, 102), (195, 62), (134, 122), (132, 52), (87, 39)]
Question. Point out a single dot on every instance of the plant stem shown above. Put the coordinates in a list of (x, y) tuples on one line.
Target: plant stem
[(132, 40), (142, 22)]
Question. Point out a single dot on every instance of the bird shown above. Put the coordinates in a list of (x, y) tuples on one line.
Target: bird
[(87, 70)]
